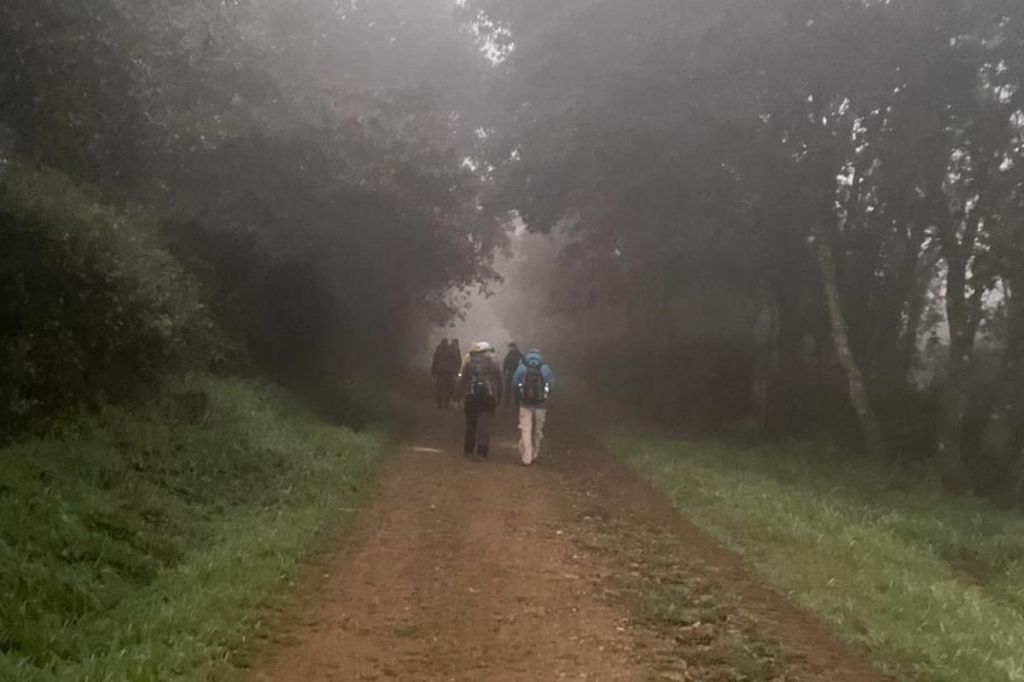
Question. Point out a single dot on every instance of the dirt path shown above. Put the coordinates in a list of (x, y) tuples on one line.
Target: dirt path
[(492, 571)]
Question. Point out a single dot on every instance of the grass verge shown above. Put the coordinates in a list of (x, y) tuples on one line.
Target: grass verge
[(140, 545), (933, 585)]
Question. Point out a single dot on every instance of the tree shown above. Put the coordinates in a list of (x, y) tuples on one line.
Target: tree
[(304, 159), (851, 154)]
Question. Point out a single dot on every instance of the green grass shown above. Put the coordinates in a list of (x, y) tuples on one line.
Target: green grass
[(140, 545), (932, 584)]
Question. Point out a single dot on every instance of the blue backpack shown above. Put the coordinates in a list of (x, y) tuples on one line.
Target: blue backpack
[(534, 390)]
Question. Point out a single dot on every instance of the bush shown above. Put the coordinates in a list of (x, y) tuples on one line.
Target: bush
[(930, 583), (91, 306), (139, 544)]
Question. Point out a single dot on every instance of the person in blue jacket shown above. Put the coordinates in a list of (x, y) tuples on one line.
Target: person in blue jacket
[(534, 382)]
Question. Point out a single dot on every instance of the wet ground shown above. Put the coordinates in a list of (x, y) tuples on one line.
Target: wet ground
[(572, 569)]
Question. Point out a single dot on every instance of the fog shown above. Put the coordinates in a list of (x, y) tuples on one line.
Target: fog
[(481, 320), (802, 217), (772, 252)]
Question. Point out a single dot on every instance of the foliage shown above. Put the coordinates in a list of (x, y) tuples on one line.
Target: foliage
[(928, 582), (840, 174), (92, 307), (140, 544), (304, 164), (304, 159)]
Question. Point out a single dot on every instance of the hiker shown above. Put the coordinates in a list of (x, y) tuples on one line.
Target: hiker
[(533, 381), (480, 385), (443, 373), (512, 361), (450, 371), (455, 357)]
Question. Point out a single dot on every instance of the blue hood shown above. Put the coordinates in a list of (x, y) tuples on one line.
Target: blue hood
[(533, 359)]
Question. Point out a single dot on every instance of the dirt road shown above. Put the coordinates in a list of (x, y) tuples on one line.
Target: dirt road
[(572, 569)]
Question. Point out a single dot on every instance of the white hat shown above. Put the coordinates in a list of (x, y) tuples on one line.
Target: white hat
[(482, 347)]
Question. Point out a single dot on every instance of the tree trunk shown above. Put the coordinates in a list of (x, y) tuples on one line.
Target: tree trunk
[(915, 313), (1005, 427), (1015, 373), (871, 431), (765, 360), (955, 393), (950, 434), (962, 313), (786, 385)]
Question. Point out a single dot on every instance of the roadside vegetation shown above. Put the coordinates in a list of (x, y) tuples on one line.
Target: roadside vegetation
[(221, 225), (930, 583), (152, 500), (140, 544), (802, 213), (804, 217), (94, 309)]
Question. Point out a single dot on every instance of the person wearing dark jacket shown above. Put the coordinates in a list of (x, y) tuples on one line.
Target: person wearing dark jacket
[(455, 357), (444, 374), (508, 368), (480, 385)]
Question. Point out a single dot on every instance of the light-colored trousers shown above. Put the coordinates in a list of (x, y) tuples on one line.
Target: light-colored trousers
[(531, 432)]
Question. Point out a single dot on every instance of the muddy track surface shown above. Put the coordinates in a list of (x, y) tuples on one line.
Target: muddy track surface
[(466, 570)]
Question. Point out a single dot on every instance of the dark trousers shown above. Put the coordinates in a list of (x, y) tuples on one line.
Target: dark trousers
[(511, 403), (479, 413), (444, 389), (511, 395)]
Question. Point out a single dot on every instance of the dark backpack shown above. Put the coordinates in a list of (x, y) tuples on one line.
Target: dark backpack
[(534, 389), (481, 381)]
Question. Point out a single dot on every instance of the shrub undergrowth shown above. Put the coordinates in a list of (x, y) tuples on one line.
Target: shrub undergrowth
[(932, 584), (138, 544), (93, 309)]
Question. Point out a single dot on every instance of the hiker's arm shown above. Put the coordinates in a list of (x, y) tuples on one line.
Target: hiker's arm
[(517, 378), (460, 388), (549, 376)]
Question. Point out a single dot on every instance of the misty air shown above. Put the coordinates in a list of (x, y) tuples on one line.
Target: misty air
[(512, 340)]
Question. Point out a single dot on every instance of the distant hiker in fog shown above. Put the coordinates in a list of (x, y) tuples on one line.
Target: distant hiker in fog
[(440, 352), (512, 361), (481, 386), (533, 381), (444, 373), (455, 355)]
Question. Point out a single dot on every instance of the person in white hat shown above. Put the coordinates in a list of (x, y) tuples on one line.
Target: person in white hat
[(480, 386)]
